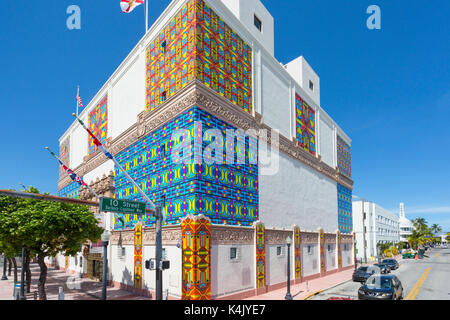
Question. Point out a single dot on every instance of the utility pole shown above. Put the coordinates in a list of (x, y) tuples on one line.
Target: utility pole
[(158, 247)]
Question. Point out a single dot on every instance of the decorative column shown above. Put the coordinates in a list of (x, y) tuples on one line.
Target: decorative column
[(322, 251), (260, 246), (196, 258), (138, 256), (339, 253), (297, 254)]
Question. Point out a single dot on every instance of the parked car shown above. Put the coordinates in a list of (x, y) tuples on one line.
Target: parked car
[(381, 287), (392, 263), (363, 273), (384, 268)]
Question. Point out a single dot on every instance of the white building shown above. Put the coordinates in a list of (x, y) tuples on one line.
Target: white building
[(212, 61), (373, 225), (406, 226)]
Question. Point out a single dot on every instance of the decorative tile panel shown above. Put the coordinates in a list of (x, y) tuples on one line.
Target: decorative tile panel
[(260, 255), (344, 157), (98, 124), (345, 218), (196, 258), (70, 191), (305, 125)]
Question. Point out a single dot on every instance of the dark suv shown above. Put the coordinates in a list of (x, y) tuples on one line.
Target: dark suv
[(363, 273), (384, 268), (392, 263), (381, 287)]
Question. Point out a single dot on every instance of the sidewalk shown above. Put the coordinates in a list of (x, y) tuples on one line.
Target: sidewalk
[(302, 292), (74, 288)]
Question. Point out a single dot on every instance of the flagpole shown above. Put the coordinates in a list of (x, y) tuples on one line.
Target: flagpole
[(85, 184), (110, 156), (60, 161), (76, 100), (146, 15)]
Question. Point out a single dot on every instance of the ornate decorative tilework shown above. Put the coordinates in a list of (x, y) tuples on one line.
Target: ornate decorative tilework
[(224, 60), (196, 258), (71, 191), (344, 157), (138, 256), (338, 235), (322, 251), (345, 218), (297, 252), (64, 154), (225, 193), (306, 125), (98, 123), (197, 44), (260, 255), (171, 57)]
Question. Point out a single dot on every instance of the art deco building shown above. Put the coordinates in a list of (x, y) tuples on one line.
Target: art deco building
[(210, 65)]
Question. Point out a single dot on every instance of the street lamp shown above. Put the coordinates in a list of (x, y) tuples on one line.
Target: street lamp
[(4, 277), (288, 294), (106, 235)]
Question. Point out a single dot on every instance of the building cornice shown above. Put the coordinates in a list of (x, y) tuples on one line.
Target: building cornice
[(197, 94)]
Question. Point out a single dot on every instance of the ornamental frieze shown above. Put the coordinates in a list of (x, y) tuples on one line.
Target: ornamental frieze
[(197, 94), (226, 235), (330, 237), (309, 237), (346, 239), (170, 236), (278, 236)]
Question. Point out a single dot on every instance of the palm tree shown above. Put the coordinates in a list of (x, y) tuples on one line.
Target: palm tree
[(435, 228), (417, 238), (420, 224)]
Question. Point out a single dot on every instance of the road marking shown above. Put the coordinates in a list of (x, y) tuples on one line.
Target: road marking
[(437, 255), (418, 284)]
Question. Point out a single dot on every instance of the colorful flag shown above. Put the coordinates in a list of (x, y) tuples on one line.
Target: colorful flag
[(129, 5), (71, 174)]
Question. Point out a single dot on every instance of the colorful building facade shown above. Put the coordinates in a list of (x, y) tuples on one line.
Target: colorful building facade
[(211, 87)]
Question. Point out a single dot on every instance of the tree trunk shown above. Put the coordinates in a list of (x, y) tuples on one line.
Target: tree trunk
[(42, 278), (27, 270), (9, 266), (15, 269)]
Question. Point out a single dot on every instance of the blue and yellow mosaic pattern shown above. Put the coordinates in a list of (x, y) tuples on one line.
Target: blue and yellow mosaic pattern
[(345, 220), (70, 191), (225, 193), (344, 157)]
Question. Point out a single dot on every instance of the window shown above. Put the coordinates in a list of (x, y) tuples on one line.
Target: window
[(311, 85), (364, 217), (279, 251), (163, 254), (329, 248), (233, 253), (258, 23), (309, 250), (163, 97), (164, 47)]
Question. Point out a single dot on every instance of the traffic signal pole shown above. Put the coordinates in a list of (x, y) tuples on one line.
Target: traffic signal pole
[(158, 249)]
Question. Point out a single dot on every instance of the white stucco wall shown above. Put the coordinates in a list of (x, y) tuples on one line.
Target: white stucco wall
[(231, 276), (121, 269), (128, 96), (346, 255), (297, 195), (330, 257), (327, 141), (276, 268), (103, 169), (310, 261), (276, 99)]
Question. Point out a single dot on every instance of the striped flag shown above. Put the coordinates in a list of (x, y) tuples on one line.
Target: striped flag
[(110, 156), (129, 5), (80, 103), (71, 174)]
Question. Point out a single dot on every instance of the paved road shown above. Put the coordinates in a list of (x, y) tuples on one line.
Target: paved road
[(425, 279)]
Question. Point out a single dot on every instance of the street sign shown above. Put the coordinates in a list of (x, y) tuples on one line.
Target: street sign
[(122, 206)]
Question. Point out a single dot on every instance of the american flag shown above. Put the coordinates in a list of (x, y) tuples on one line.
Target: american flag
[(80, 103)]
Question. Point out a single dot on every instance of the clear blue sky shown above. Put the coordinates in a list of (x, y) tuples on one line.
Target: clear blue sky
[(388, 89)]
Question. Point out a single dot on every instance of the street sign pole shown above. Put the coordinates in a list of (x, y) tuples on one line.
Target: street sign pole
[(158, 245)]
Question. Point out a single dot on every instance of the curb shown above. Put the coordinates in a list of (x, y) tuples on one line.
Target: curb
[(317, 292)]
